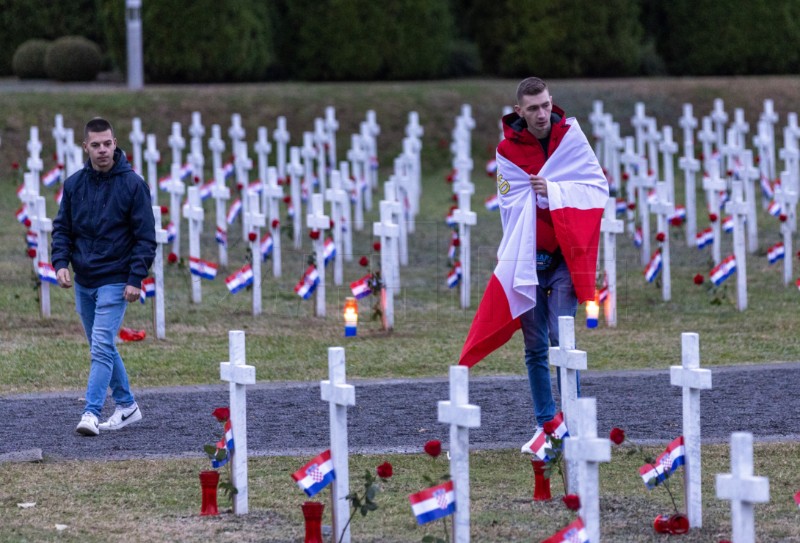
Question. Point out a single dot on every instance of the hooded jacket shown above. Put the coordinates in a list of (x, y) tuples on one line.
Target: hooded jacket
[(105, 226)]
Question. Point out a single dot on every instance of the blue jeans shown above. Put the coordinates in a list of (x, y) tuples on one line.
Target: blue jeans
[(555, 297), (101, 310)]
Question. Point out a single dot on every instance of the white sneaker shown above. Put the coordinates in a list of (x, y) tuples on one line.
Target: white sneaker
[(528, 447), (88, 425), (122, 417)]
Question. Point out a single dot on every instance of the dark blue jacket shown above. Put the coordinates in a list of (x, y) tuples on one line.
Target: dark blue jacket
[(105, 226)]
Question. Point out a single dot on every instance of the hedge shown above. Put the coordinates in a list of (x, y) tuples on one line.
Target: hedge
[(28, 60)]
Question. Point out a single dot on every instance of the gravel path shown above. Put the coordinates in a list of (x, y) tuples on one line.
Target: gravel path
[(400, 415)]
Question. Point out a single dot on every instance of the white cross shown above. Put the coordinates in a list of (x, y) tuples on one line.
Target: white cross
[(196, 129), (639, 122), (177, 143), (255, 221), (281, 137), (331, 126), (688, 123), (468, 123), (137, 138), (176, 189), (339, 396), (242, 164), (614, 145), (158, 274), (668, 150), (719, 117), (73, 154), (610, 226), (59, 136), (398, 192), (407, 191), (739, 209), (340, 211), (320, 139), (740, 126), (370, 175), (34, 163), (690, 167), (221, 194), (713, 184), (588, 450), (631, 164), (642, 181), (742, 488), (238, 374), (466, 219), (707, 138), (317, 220), (664, 208), (461, 416), (692, 380), (30, 190), (396, 216), (750, 174), (388, 232), (787, 199), (194, 214), (273, 194), (236, 132), (463, 166), (569, 361), (358, 158), (413, 128), (652, 137), (373, 130), (309, 154), (295, 172), (344, 177), (263, 148), (597, 118), (217, 146), (196, 160), (769, 118), (766, 152), (42, 226)]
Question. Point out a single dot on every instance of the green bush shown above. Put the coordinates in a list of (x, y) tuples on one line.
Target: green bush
[(463, 59), (73, 58), (196, 42), (28, 60)]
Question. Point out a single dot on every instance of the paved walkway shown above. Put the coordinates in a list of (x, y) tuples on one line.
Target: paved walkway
[(400, 415)]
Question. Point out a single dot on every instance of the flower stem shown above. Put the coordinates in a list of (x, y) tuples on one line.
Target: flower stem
[(352, 514), (671, 497)]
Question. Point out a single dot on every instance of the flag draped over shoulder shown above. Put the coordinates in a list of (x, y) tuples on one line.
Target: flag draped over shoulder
[(577, 191)]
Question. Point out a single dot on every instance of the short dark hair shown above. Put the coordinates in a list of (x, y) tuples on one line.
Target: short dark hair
[(530, 87), (97, 124)]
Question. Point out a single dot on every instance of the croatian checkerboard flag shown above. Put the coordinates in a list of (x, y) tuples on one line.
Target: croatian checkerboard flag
[(723, 270), (186, 170), (774, 208), (727, 224), (256, 186), (667, 462), (32, 239), (622, 206), (163, 182), (705, 238), (205, 190), (577, 194), (766, 187), (638, 238), (171, 231), (228, 169), (22, 214), (328, 250), (492, 203), (575, 532), (221, 236), (202, 268), (361, 288), (433, 503), (653, 267), (225, 443), (308, 283), (265, 245), (148, 289), (775, 253), (315, 475), (560, 431), (47, 272), (454, 276), (234, 210), (240, 279), (51, 178)]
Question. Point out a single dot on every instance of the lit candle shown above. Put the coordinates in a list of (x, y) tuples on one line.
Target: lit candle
[(350, 316), (592, 312)]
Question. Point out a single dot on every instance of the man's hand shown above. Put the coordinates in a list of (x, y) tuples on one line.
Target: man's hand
[(62, 276), (539, 185), (131, 293)]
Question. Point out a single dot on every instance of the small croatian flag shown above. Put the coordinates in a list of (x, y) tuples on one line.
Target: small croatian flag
[(148, 289), (265, 246), (602, 294), (449, 220), (492, 203), (171, 231), (727, 224), (453, 277), (58, 195), (226, 444), (451, 250), (666, 463), (205, 190), (228, 170), (433, 503), (163, 182), (774, 208), (622, 206), (328, 250), (47, 272), (680, 213), (540, 444), (653, 267), (575, 532), (315, 475), (290, 210), (723, 270), (32, 239), (705, 238), (221, 236), (766, 188), (234, 210), (559, 426), (491, 167), (361, 288), (775, 253), (51, 178), (637, 238), (256, 186), (308, 283), (186, 171), (22, 214), (240, 279), (202, 268)]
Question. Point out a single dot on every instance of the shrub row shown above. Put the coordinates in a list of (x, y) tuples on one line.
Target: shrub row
[(69, 58)]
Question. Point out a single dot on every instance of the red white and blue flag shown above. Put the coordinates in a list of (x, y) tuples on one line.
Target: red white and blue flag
[(653, 267), (202, 268), (451, 249), (226, 443), (186, 171), (308, 283), (622, 206), (775, 253), (705, 238), (328, 250), (58, 195), (774, 208), (766, 187), (680, 213), (148, 289), (32, 239), (577, 194), (22, 214), (240, 279), (361, 287), (234, 210), (171, 231), (163, 182), (454, 275), (51, 178), (228, 169), (575, 532), (47, 272), (265, 246), (205, 190), (673, 457), (638, 238), (316, 474), (449, 220), (256, 186), (221, 236), (723, 270), (560, 426), (727, 224), (491, 168), (433, 503), (492, 203)]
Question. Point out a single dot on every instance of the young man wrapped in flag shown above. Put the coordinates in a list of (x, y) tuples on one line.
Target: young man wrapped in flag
[(552, 194)]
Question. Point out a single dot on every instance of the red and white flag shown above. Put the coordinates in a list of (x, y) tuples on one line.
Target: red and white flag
[(577, 191)]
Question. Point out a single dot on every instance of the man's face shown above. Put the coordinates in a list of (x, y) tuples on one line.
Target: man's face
[(100, 146), (536, 109)]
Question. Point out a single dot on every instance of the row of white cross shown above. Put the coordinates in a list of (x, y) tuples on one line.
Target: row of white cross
[(583, 449)]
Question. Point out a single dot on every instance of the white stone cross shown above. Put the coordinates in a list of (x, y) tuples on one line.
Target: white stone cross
[(194, 214), (740, 126), (263, 148), (239, 375), (42, 226), (331, 126), (243, 164), (347, 241), (407, 188), (750, 174), (137, 138), (395, 208), (273, 194), (412, 147), (309, 154), (639, 122), (569, 361), (73, 154), (295, 172), (463, 165), (713, 184), (196, 131), (769, 118), (597, 118), (320, 139), (643, 182), (30, 189), (668, 150), (340, 211), (236, 131), (690, 167), (370, 175), (664, 209), (610, 226), (281, 137), (707, 138), (255, 221), (692, 380), (737, 207), (217, 146), (766, 154), (358, 159), (397, 192), (372, 129), (653, 137), (152, 157), (59, 136), (34, 163), (461, 416), (787, 198), (468, 123), (339, 396), (388, 232), (466, 219), (177, 144), (176, 189), (614, 145), (719, 117), (742, 488), (688, 123), (159, 319), (317, 220), (631, 163), (221, 194)]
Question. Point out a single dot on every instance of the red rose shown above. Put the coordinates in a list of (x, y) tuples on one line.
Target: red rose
[(631, 205), (60, 166), (252, 236), (757, 160), (222, 414), (433, 448), (454, 197), (617, 436), (572, 501), (701, 157), (625, 176), (172, 258), (239, 186), (376, 246), (384, 470), (698, 279), (281, 181), (456, 242), (450, 176), (676, 221), (31, 253), (314, 234), (660, 237), (650, 173), (287, 199), (798, 254), (164, 210), (15, 165), (27, 223), (196, 180), (782, 217), (364, 261), (330, 224), (712, 217), (275, 223), (729, 173)]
